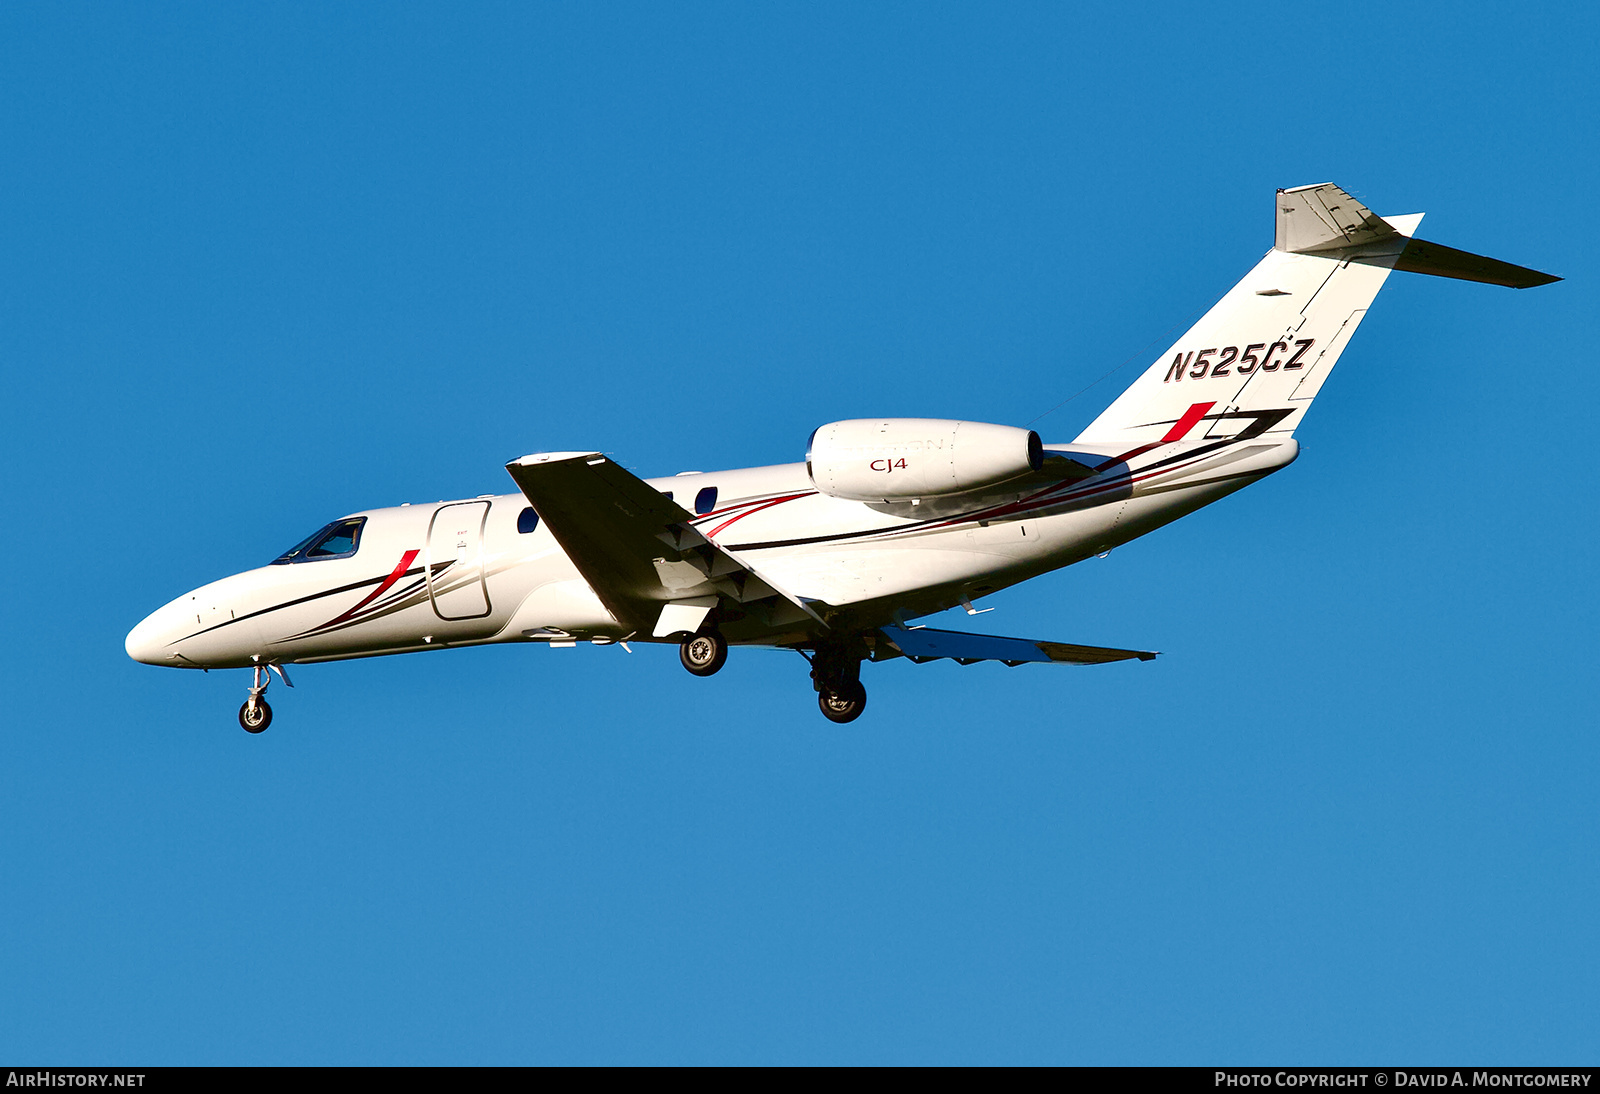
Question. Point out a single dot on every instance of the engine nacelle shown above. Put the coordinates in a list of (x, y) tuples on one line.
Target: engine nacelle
[(899, 459)]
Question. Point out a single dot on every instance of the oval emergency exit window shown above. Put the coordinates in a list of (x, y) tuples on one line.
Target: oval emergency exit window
[(706, 500)]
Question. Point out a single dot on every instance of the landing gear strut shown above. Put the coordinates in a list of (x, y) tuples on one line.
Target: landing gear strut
[(255, 716), (836, 674), (704, 654)]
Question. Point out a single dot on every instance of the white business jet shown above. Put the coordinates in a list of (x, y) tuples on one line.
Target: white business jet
[(887, 520)]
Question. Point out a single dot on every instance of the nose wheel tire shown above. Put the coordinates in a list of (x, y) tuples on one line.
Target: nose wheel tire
[(704, 654), (845, 704), (255, 716)]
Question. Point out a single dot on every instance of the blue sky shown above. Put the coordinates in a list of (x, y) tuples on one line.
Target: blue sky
[(266, 265)]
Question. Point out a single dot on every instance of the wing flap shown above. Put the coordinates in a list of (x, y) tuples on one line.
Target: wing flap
[(926, 644)]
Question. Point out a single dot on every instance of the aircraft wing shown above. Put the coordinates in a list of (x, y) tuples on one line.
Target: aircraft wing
[(926, 644), (636, 547)]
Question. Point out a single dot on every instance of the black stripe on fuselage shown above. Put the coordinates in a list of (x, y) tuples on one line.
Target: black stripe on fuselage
[(1121, 479), (394, 602), (304, 600)]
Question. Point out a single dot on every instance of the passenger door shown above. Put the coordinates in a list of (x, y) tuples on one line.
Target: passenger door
[(455, 560)]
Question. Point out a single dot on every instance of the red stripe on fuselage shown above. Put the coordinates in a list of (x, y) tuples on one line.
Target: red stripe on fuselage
[(766, 505), (1190, 419), (399, 572)]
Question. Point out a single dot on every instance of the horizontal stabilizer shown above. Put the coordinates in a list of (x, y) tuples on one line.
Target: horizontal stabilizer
[(926, 644), (1325, 220), (1423, 257)]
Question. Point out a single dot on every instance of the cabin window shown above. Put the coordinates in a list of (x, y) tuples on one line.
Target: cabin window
[(527, 520), (340, 539), (706, 500)]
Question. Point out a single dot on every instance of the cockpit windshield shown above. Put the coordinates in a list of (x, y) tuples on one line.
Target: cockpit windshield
[(337, 540)]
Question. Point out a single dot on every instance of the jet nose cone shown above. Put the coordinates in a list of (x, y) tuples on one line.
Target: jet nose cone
[(150, 643)]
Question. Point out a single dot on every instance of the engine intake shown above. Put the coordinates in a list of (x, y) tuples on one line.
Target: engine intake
[(900, 459)]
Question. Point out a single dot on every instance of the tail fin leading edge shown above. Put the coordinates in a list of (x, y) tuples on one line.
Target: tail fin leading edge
[(1262, 353)]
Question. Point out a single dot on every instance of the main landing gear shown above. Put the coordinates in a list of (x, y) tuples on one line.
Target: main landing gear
[(836, 674), (845, 704), (255, 716), (704, 654)]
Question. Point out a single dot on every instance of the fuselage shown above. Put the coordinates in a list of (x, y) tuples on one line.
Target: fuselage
[(485, 569), (889, 519)]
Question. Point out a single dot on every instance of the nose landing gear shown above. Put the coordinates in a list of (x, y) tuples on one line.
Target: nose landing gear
[(255, 716)]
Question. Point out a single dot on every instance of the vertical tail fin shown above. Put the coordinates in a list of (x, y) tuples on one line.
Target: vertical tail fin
[(1261, 354)]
